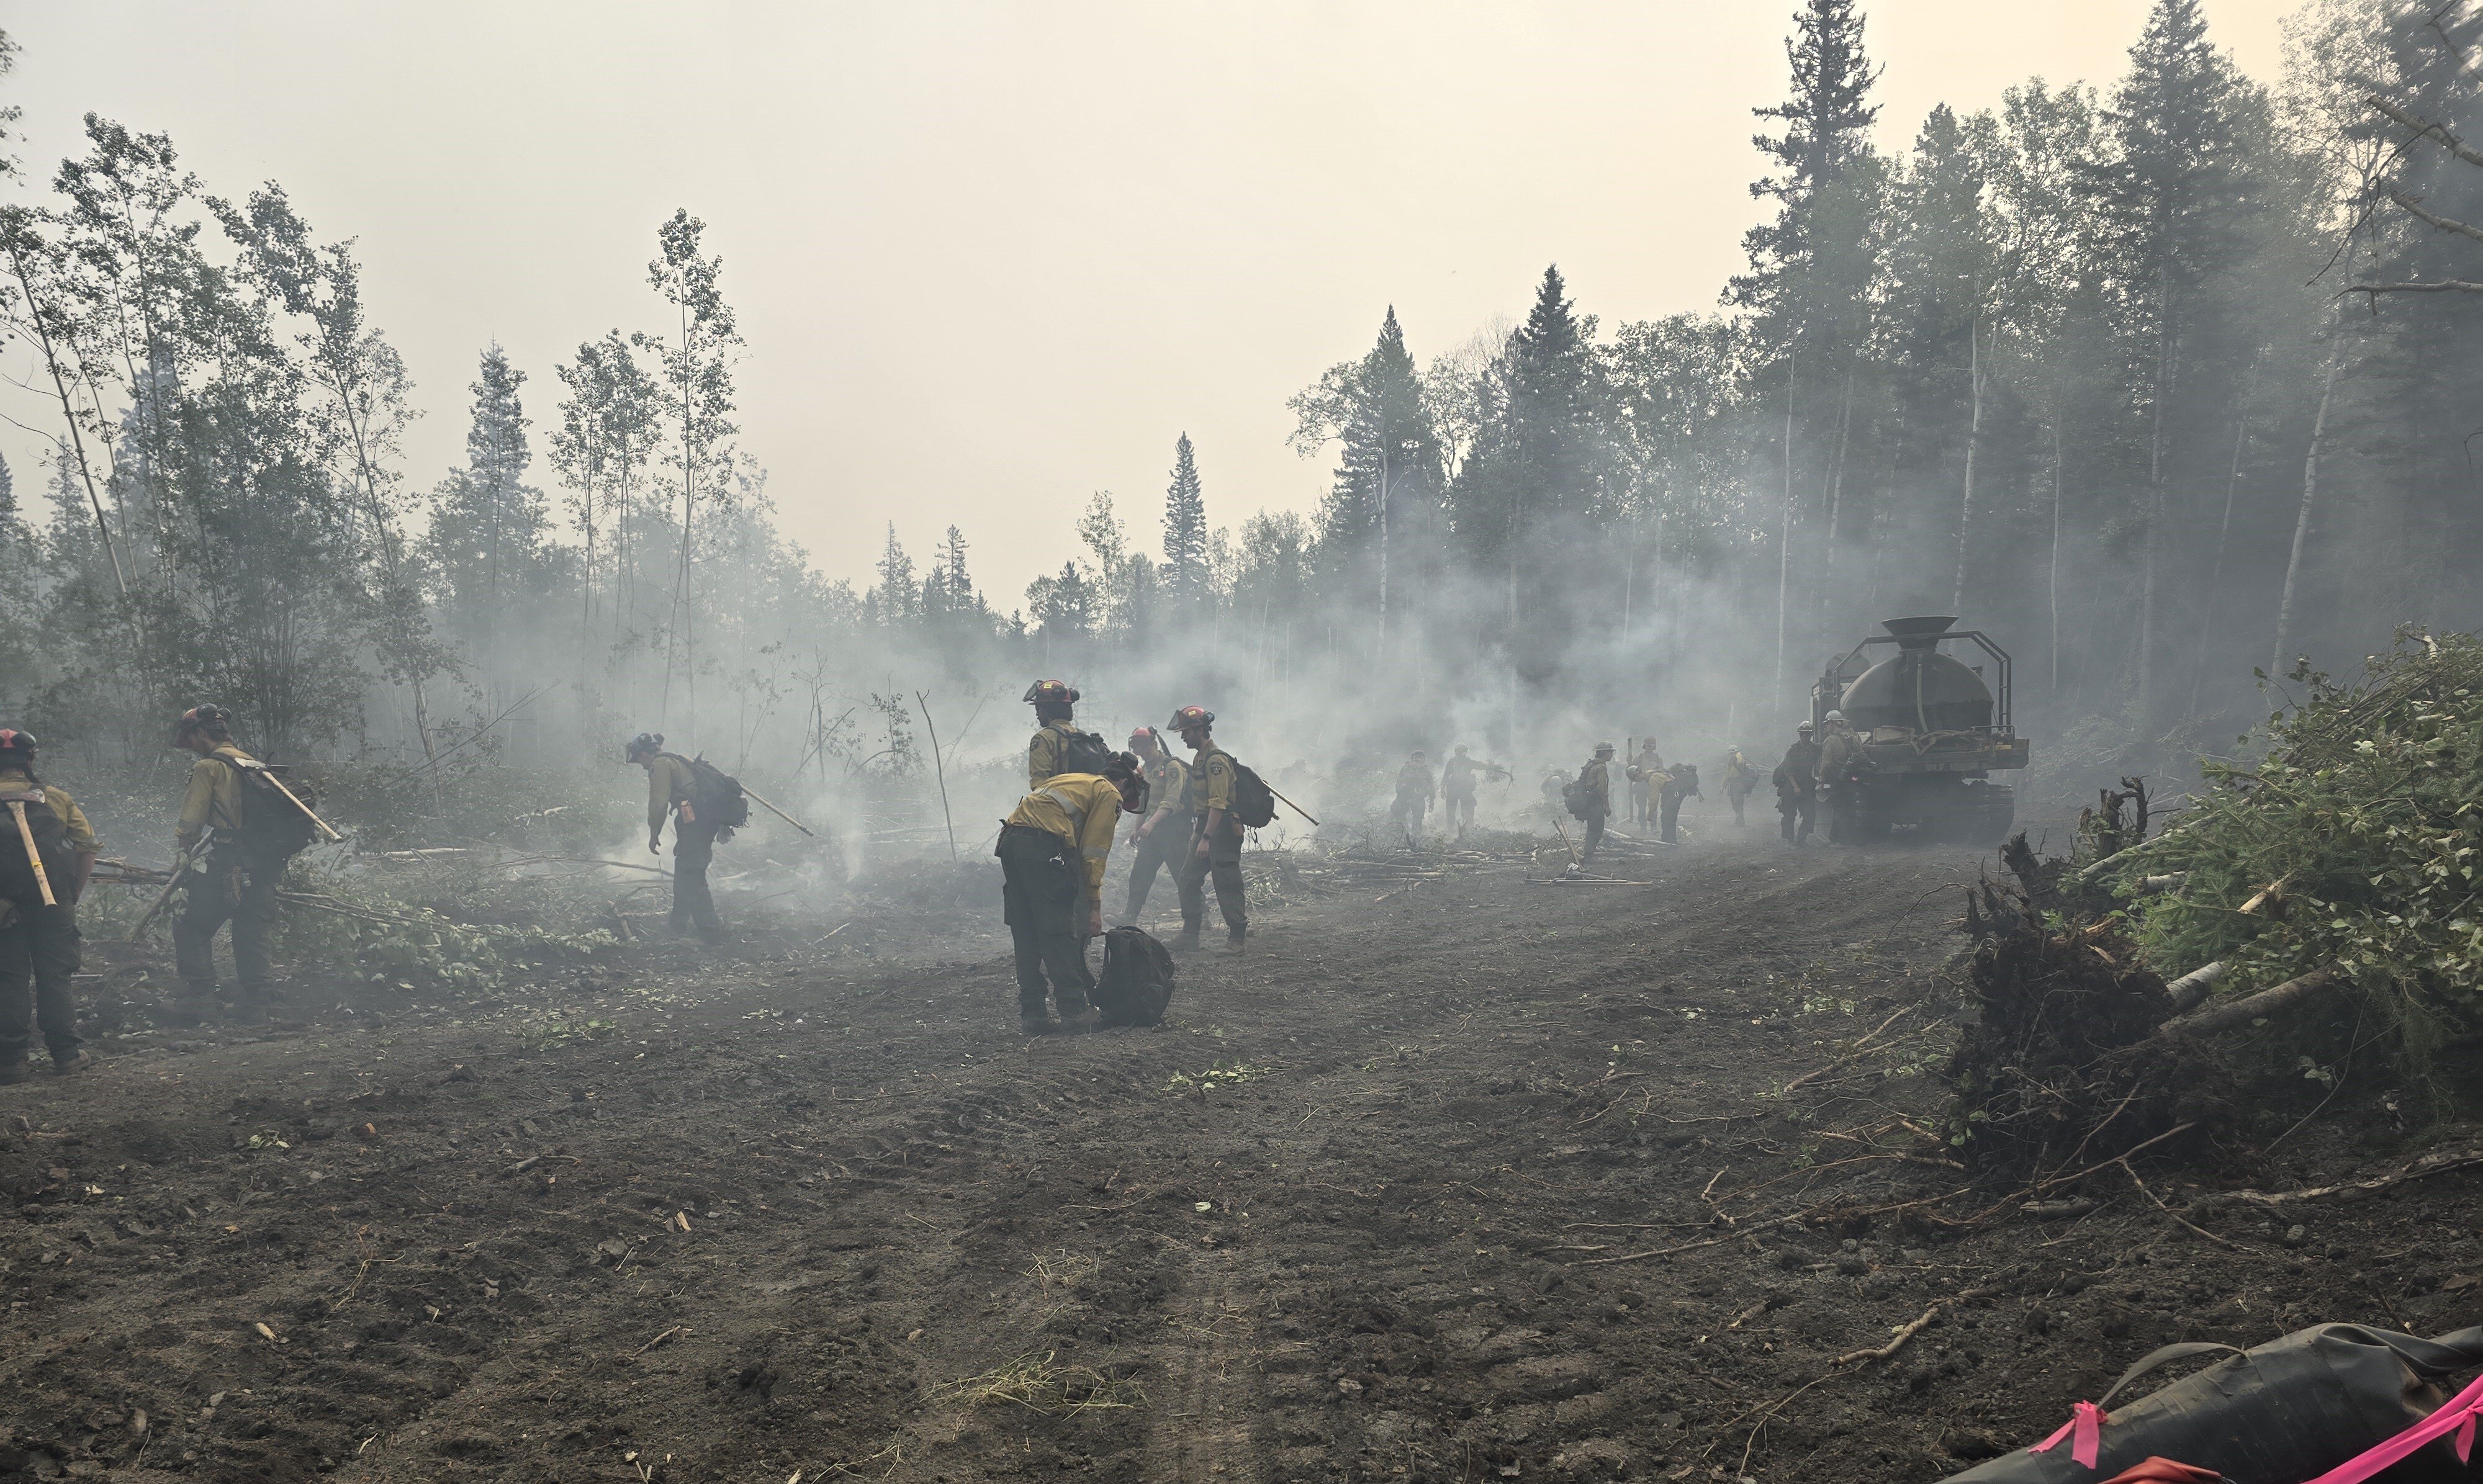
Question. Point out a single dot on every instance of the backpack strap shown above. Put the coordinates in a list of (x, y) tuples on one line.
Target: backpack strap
[(1077, 814)]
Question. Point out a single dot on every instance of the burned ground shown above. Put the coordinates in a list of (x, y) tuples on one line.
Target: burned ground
[(1378, 1204)]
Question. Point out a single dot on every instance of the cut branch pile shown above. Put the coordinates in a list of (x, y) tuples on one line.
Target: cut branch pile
[(2348, 858)]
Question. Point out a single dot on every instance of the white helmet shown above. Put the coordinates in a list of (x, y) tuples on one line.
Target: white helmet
[(1837, 716)]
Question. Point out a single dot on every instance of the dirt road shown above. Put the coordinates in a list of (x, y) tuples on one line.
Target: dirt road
[(1371, 1208)]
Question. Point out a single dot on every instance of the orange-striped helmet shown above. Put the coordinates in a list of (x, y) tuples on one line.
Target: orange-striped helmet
[(1052, 693)]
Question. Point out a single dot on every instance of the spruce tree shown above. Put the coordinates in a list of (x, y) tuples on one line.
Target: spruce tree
[(1185, 529), (1826, 125), (1375, 522), (895, 595), (486, 542), (2174, 193)]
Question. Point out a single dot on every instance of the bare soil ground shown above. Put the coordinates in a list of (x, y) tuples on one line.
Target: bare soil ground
[(1376, 1206)]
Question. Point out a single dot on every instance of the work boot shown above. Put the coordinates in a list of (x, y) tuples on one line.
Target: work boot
[(1187, 943), (1233, 938), (1034, 1023), (76, 1061), (251, 1007), (13, 1072)]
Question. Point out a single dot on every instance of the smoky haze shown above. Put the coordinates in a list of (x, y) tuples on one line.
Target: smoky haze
[(1396, 345), (992, 258)]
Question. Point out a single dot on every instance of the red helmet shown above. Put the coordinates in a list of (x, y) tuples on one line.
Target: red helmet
[(1191, 717), (1052, 693), (11, 740)]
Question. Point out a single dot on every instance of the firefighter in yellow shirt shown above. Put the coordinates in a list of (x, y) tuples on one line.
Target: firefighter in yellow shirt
[(233, 884), (1052, 849), (39, 945), (1595, 791), (1215, 835), (672, 784), (1059, 745)]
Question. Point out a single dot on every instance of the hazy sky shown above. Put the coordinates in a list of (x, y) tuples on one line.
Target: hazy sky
[(992, 258)]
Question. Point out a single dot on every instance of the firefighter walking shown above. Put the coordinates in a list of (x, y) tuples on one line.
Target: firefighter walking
[(50, 849), (1215, 835), (1797, 781)]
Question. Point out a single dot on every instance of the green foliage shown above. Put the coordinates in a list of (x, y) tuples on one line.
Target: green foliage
[(2363, 826), (342, 921)]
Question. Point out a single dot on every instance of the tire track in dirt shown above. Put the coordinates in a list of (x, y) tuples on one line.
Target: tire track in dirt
[(870, 1190)]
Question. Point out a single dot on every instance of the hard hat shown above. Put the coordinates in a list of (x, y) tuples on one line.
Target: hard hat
[(1461, 749), (1052, 693), (1804, 728), (1603, 746), (11, 740), (642, 744), (1188, 717), (206, 718), (1837, 716), (1416, 755), (1146, 734)]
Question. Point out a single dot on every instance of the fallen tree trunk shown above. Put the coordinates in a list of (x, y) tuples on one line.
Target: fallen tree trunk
[(2191, 989), (2239, 1013)]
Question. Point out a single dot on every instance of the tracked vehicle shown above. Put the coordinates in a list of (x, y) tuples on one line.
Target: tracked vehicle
[(1934, 728)]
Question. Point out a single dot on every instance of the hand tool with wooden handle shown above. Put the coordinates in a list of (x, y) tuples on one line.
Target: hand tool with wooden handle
[(34, 856)]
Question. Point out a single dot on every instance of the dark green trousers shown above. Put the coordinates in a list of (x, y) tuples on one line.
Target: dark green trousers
[(227, 891), (1223, 863), (1040, 895), (39, 954), (693, 904), (1161, 850)]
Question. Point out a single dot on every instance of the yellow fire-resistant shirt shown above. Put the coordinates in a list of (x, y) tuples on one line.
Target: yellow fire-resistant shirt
[(213, 797), (1083, 809), (1167, 786), (1043, 754), (1598, 782), (668, 784), (1210, 780), (80, 833)]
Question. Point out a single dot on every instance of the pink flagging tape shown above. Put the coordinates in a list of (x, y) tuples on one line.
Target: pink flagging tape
[(2457, 1417), (2085, 1431)]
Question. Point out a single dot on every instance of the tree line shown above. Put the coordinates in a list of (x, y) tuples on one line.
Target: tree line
[(2158, 381)]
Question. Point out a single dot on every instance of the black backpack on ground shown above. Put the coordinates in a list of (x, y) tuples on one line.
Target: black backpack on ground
[(1083, 751), (1253, 804), (272, 828), (51, 842), (1137, 982), (717, 797)]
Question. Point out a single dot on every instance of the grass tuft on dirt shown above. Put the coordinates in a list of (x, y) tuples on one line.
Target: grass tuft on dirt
[(1041, 1384)]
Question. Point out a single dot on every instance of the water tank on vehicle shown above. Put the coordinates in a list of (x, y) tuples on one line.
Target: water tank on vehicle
[(1919, 688)]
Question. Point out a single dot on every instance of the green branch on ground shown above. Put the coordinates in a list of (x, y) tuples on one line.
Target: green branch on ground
[(2354, 845)]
